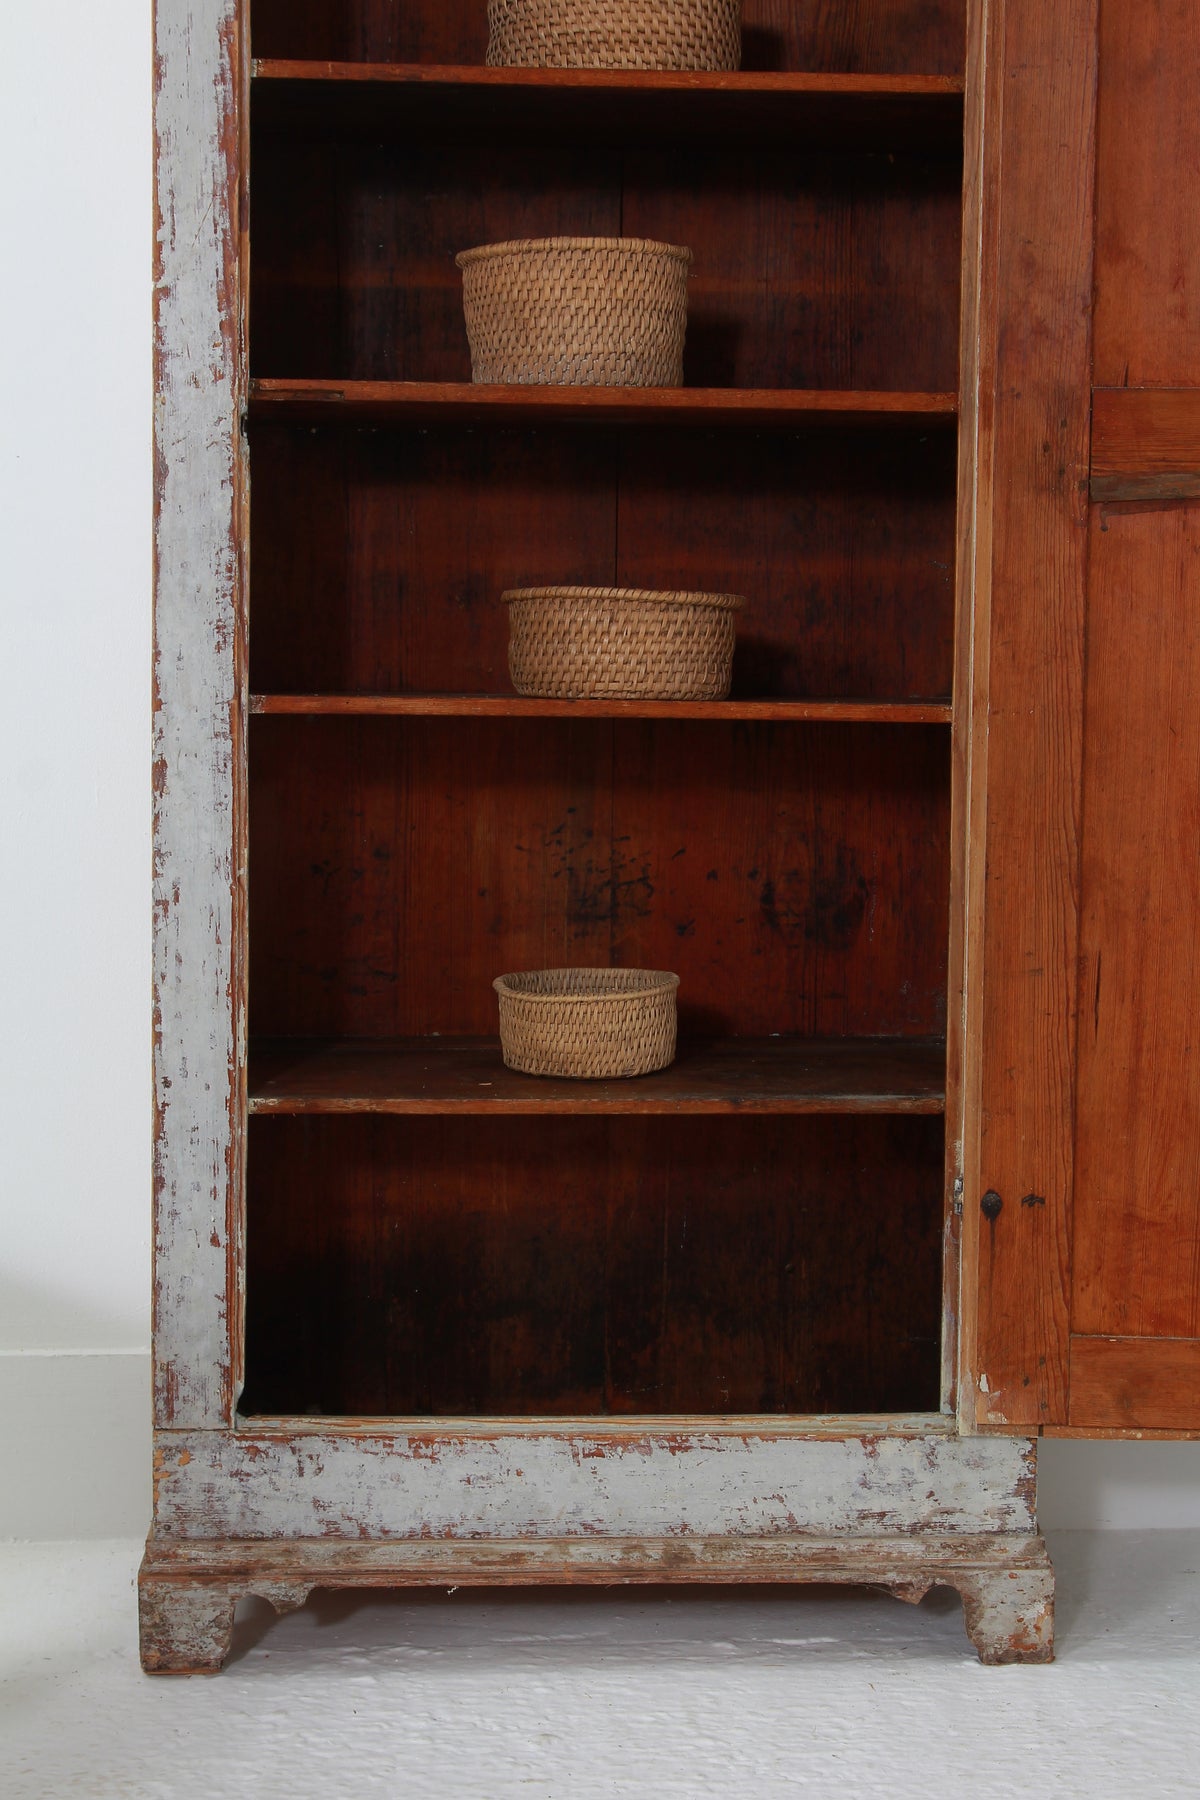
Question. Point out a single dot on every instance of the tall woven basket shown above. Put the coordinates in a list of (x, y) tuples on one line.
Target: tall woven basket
[(587, 1023), (591, 312), (615, 34), (578, 643)]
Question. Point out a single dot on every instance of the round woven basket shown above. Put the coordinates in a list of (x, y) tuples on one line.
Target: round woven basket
[(578, 312), (581, 643), (587, 1022), (615, 34)]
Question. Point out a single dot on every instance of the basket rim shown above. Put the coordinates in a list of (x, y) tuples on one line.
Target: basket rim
[(655, 981), (525, 246), (652, 596)]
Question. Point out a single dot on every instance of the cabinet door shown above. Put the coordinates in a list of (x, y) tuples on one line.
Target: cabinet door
[(1082, 1197)]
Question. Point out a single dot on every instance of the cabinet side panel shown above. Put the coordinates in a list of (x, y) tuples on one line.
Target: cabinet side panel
[(1032, 545), (196, 707)]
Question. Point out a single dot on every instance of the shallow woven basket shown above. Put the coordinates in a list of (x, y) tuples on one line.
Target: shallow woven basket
[(615, 34), (590, 312), (580, 643), (587, 1022)]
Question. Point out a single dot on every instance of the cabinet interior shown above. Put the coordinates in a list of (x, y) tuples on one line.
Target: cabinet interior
[(761, 1231)]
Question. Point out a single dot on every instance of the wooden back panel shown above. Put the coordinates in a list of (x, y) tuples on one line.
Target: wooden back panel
[(593, 1266), (811, 269), (795, 876), (917, 36), (380, 557)]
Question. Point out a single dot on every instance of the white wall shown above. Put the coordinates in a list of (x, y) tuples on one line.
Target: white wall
[(74, 727), (75, 475)]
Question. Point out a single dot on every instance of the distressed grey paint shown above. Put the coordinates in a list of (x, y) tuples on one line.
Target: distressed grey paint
[(187, 1590), (553, 1485), (197, 780)]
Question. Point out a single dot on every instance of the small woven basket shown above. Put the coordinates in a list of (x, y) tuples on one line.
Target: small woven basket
[(577, 312), (587, 1023), (579, 643), (615, 34)]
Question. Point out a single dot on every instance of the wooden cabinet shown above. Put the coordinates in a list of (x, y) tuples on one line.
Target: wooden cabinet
[(798, 1308)]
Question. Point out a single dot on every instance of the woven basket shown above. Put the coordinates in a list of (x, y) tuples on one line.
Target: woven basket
[(579, 643), (578, 312), (587, 1022), (615, 34)]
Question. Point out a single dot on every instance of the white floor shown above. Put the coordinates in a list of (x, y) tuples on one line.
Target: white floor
[(567, 1695)]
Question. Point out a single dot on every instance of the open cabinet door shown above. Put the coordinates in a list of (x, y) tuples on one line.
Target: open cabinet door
[(1081, 1223)]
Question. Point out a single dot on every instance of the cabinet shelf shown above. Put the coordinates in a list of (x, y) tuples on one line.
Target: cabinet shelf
[(465, 1075), (913, 113), (506, 706), (400, 403)]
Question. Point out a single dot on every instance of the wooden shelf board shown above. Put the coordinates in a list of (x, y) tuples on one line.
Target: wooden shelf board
[(462, 402), (920, 113), (651, 81), (505, 706), (466, 1075)]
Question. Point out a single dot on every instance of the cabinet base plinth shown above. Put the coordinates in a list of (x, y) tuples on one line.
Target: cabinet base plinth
[(188, 1587)]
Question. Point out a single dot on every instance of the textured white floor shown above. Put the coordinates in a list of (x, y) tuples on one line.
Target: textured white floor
[(572, 1694)]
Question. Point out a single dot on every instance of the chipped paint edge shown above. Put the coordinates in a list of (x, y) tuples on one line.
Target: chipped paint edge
[(438, 1483), (198, 708)]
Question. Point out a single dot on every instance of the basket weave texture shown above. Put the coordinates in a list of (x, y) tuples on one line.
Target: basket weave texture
[(585, 1023), (577, 312), (595, 643), (615, 34)]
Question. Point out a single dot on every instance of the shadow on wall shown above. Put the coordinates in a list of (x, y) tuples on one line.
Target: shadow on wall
[(53, 1320), (1119, 1485)]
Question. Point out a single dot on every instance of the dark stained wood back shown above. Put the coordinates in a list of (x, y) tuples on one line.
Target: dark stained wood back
[(432, 1267), (922, 36)]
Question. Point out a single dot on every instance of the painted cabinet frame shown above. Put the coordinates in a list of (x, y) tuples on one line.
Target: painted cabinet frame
[(281, 1506)]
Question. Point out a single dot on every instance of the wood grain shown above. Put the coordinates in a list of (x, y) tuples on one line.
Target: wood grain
[(320, 401), (1136, 1383), (793, 876), (466, 1075), (466, 1267), (380, 557), (811, 269), (1137, 1210), (515, 706), (1148, 197), (1035, 247), (1146, 443), (905, 36)]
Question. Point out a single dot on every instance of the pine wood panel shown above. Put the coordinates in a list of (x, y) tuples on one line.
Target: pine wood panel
[(826, 271), (379, 559), (1146, 443), (1030, 577), (466, 1076), (1133, 1383), (1137, 1209), (516, 706), (922, 36), (405, 403), (1148, 196), (794, 876), (810, 269), (441, 1267)]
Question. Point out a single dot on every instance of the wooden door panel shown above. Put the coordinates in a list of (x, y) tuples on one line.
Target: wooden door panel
[(1137, 1198), (1135, 1306), (1029, 575)]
